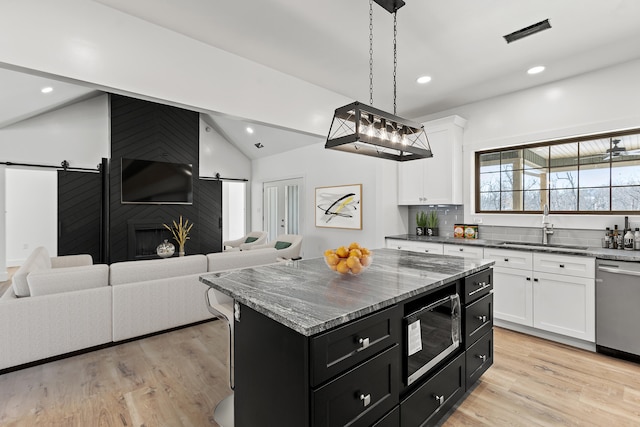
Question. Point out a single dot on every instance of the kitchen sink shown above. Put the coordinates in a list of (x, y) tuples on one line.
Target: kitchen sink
[(540, 246)]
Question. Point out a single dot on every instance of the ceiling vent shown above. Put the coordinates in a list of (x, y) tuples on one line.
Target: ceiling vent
[(525, 32)]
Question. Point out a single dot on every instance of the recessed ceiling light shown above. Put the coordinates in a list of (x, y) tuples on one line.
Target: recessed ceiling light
[(47, 89), (249, 130), (536, 69), (423, 79)]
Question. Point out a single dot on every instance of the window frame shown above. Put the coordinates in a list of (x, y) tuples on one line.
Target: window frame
[(523, 171)]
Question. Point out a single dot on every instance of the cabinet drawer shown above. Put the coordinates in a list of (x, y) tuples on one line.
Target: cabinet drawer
[(392, 419), (479, 357), (564, 264), (337, 350), (466, 251), (362, 395), (510, 259), (477, 285), (422, 247), (478, 320), (426, 404)]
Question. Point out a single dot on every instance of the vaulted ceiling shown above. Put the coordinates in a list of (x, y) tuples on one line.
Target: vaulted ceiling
[(458, 43)]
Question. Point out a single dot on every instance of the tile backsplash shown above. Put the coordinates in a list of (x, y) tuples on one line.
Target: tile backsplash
[(454, 214)]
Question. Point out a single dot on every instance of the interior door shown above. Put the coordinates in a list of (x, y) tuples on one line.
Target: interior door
[(281, 200)]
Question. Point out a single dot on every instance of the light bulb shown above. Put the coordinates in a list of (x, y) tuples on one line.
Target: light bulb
[(394, 136)]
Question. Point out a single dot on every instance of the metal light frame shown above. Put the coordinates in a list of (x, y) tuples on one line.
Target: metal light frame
[(362, 129)]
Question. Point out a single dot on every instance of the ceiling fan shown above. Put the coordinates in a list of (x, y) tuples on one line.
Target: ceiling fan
[(618, 150)]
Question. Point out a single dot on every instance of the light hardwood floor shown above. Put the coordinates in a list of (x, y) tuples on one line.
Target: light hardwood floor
[(176, 379)]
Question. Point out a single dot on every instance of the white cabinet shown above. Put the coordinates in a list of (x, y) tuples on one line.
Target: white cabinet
[(564, 295), (437, 180), (409, 245), (546, 291), (512, 285), (466, 251)]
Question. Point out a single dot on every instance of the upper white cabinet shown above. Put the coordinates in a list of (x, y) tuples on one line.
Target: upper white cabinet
[(437, 180)]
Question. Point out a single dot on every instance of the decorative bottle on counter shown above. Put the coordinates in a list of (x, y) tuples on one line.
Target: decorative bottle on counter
[(621, 240), (607, 238), (614, 238), (636, 239), (628, 240)]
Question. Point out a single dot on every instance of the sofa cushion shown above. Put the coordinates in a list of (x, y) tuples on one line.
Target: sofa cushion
[(59, 280), (38, 260), (142, 271), (282, 245)]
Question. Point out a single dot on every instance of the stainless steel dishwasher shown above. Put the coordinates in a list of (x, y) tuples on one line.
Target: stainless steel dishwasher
[(618, 309)]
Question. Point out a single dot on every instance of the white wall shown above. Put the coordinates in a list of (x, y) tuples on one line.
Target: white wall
[(32, 213), (89, 42), (78, 133), (217, 155), (3, 234), (321, 168), (600, 101)]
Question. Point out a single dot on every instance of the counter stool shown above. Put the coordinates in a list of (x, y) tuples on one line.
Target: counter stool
[(222, 308)]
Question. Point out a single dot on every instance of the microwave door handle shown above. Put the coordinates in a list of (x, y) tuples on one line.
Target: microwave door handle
[(455, 319)]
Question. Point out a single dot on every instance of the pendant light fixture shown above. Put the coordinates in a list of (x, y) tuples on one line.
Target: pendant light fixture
[(362, 129)]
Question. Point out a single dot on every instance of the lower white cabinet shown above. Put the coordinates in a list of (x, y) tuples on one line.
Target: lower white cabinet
[(466, 251), (409, 245), (513, 295), (550, 292)]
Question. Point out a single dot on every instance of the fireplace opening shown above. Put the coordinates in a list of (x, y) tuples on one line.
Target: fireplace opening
[(144, 237)]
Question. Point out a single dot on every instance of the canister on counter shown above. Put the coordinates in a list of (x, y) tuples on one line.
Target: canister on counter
[(458, 231), (470, 231)]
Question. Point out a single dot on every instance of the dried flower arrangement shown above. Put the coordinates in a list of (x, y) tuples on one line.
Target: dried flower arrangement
[(180, 233)]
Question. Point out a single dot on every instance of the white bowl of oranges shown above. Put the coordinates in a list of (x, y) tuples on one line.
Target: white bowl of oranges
[(352, 259)]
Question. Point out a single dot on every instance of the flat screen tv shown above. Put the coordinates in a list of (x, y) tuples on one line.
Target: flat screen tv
[(153, 182)]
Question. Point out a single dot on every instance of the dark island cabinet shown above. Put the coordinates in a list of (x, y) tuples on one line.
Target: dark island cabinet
[(352, 374)]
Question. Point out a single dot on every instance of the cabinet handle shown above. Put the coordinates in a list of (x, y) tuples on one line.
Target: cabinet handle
[(399, 247), (529, 279), (366, 399), (482, 357), (482, 318), (506, 260), (481, 284), (439, 399), (535, 280), (426, 250), (364, 343), (561, 265), (461, 249)]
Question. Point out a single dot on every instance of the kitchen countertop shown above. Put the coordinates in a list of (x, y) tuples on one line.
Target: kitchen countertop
[(309, 298), (596, 252)]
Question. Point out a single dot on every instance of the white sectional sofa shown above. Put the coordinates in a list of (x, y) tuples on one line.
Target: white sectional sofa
[(65, 304)]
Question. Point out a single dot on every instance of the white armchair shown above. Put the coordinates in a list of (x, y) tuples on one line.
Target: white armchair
[(288, 246), (246, 242)]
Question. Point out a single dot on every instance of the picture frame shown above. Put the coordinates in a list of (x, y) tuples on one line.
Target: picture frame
[(339, 206)]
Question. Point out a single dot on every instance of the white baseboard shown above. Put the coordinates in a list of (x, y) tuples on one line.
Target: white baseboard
[(573, 342)]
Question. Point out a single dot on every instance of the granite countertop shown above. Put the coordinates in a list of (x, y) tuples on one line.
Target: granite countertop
[(309, 298), (596, 252)]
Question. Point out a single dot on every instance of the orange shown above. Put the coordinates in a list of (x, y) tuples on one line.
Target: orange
[(332, 259), (342, 267), (365, 260), (365, 251), (328, 252), (342, 252), (353, 262), (354, 245), (355, 252), (356, 269)]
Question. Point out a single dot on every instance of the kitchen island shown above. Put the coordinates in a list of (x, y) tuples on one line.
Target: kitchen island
[(316, 348)]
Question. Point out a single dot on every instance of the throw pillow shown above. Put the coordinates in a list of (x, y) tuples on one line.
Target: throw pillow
[(282, 245), (250, 239)]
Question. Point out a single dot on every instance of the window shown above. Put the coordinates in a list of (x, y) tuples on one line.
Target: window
[(595, 174)]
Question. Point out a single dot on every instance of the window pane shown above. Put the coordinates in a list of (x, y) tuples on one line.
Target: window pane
[(511, 201), (564, 199), (564, 155), (490, 201), (594, 175), (625, 198), (533, 200), (563, 178), (511, 159), (489, 162), (535, 158), (625, 173), (490, 182), (594, 151), (594, 199), (624, 148), (535, 179), (506, 180)]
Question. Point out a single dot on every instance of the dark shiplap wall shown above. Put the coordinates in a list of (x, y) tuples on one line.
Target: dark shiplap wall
[(149, 131)]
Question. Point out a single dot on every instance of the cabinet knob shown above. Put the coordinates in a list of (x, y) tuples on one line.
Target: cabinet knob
[(461, 249), (535, 280), (482, 357), (439, 399), (481, 284), (366, 399), (561, 265), (529, 278), (426, 250), (482, 318), (506, 260), (364, 343)]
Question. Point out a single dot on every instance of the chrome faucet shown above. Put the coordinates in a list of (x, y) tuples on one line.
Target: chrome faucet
[(547, 227)]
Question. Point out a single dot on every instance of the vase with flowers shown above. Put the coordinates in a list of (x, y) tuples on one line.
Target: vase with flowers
[(180, 233)]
